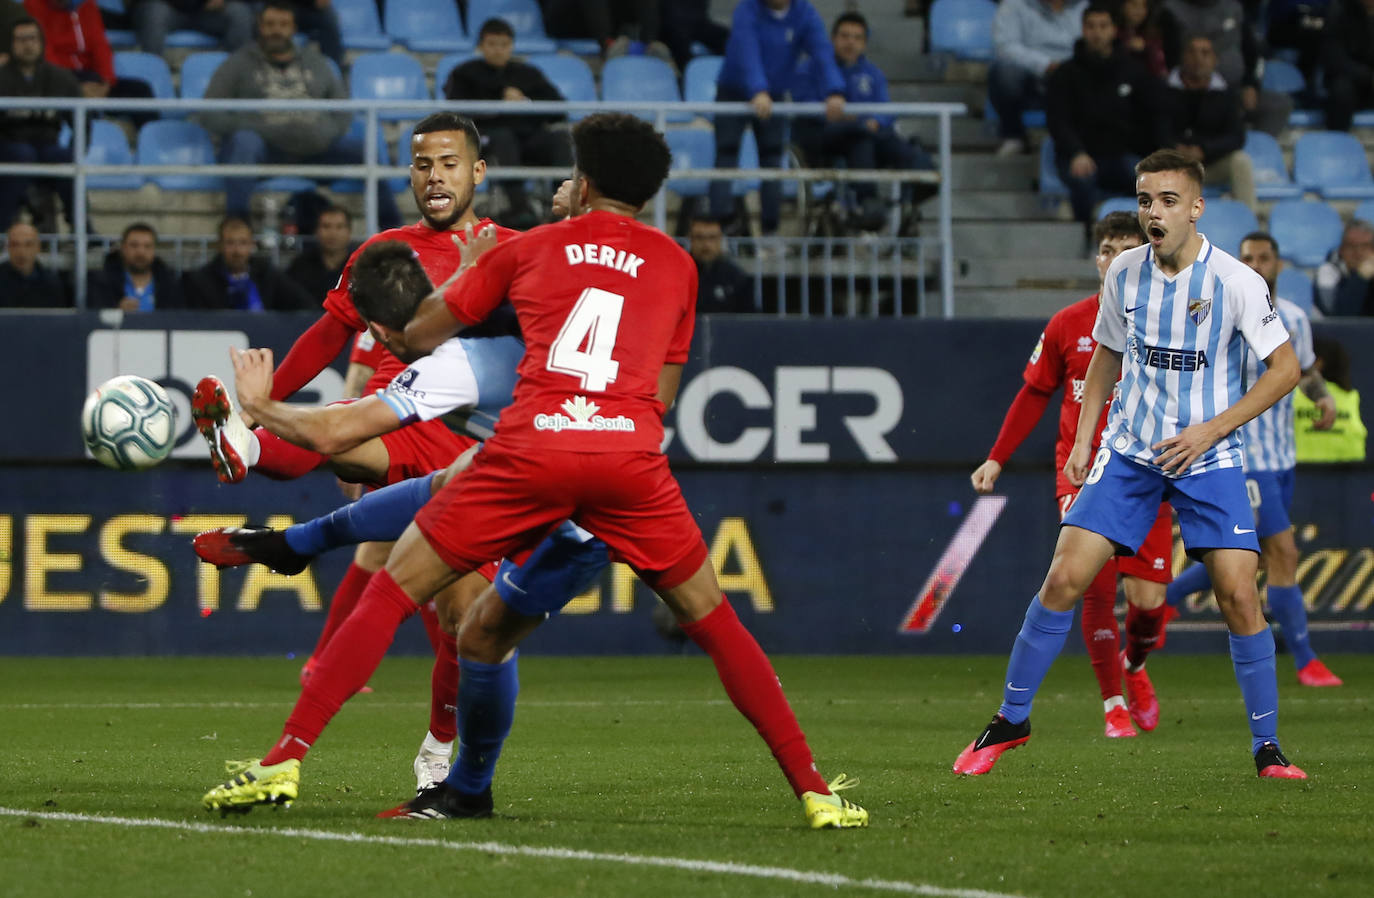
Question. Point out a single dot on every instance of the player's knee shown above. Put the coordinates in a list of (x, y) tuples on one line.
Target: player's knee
[(372, 556)]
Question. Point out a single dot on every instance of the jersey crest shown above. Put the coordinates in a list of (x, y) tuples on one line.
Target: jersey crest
[(1198, 309)]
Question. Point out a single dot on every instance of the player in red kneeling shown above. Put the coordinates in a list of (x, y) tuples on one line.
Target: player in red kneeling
[(1061, 359)]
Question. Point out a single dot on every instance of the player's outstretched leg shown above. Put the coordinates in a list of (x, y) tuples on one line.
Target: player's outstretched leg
[(1037, 645), (1287, 606), (1144, 633), (1103, 641), (232, 445), (253, 783)]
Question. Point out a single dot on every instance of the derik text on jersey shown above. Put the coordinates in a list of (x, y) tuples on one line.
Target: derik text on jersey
[(601, 254)]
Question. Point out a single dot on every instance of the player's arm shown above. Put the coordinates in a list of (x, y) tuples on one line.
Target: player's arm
[(669, 377), (1313, 386), (438, 318), (1022, 416), (1103, 370), (356, 378), (1281, 374), (311, 353), (329, 429)]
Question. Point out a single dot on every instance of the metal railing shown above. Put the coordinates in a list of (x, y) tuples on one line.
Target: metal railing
[(371, 172)]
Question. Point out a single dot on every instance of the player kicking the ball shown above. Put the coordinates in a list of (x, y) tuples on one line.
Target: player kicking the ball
[(1060, 359), (1175, 322), (606, 306)]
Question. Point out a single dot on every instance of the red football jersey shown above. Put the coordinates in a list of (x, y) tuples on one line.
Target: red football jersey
[(603, 302), (439, 256), (1061, 359), (367, 351)]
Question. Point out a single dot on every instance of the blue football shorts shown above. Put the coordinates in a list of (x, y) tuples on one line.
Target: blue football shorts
[(1271, 496), (1120, 500), (560, 568)]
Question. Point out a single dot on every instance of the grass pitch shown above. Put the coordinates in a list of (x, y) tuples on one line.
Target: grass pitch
[(636, 777)]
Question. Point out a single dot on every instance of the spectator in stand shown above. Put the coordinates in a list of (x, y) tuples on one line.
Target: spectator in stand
[(1348, 53), (234, 279), (614, 24), (1102, 108), (869, 141), (74, 34), (133, 278), (1204, 121), (273, 68), (767, 37), (317, 20), (1239, 60), (1345, 281), (229, 20), (510, 139), (317, 270), (689, 21), (30, 135), (721, 285), (1032, 38), (1295, 24), (24, 282), (1138, 33)]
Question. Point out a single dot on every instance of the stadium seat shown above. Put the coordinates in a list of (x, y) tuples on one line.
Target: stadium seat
[(388, 76), (1334, 164), (173, 142), (1365, 211), (1050, 184), (196, 71), (642, 79), (962, 28), (109, 146), (1283, 77), (525, 19), (186, 39), (426, 26), (360, 26), (570, 75), (699, 79), (356, 129), (691, 148), (447, 63), (1117, 204), (1295, 286), (1272, 181), (1306, 231), (146, 67), (1225, 222)]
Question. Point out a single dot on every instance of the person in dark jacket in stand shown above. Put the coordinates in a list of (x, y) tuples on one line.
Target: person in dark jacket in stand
[(1348, 55), (1101, 108), (1203, 120), (510, 139), (233, 279), (133, 278)]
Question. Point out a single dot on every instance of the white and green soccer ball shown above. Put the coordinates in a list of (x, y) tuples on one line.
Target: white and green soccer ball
[(128, 423)]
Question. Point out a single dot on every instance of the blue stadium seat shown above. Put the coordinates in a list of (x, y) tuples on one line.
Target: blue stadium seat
[(173, 142), (692, 148), (1295, 286), (1225, 222), (1272, 181), (146, 67), (1306, 231), (186, 39), (196, 70), (1365, 211), (1050, 184), (524, 17), (1117, 204), (1283, 77), (447, 63), (582, 46), (570, 75), (1334, 164), (643, 79), (427, 26), (356, 130), (962, 28), (699, 79), (388, 76), (109, 146), (360, 26)]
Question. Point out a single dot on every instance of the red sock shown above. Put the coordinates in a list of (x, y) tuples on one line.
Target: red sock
[(342, 605), (1143, 629), (1100, 631), (443, 680), (752, 685), (281, 460), (345, 666)]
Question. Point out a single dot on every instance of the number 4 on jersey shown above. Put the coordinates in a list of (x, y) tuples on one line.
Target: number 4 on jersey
[(592, 324)]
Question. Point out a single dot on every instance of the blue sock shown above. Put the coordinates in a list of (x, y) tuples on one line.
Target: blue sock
[(1037, 645), (1285, 603), (379, 516), (1253, 659), (486, 708), (1193, 579)]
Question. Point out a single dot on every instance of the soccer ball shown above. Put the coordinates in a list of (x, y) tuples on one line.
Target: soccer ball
[(128, 423)]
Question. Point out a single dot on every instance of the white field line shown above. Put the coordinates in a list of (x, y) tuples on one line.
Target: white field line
[(722, 868)]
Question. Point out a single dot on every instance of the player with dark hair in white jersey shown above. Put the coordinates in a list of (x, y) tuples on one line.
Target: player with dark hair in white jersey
[(1176, 319)]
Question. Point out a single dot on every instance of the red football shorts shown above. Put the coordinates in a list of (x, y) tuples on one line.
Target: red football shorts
[(1154, 561), (422, 448), (506, 501)]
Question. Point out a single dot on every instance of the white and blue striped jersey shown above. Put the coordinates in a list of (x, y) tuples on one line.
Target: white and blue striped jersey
[(1183, 342), (1269, 441), (467, 381)]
